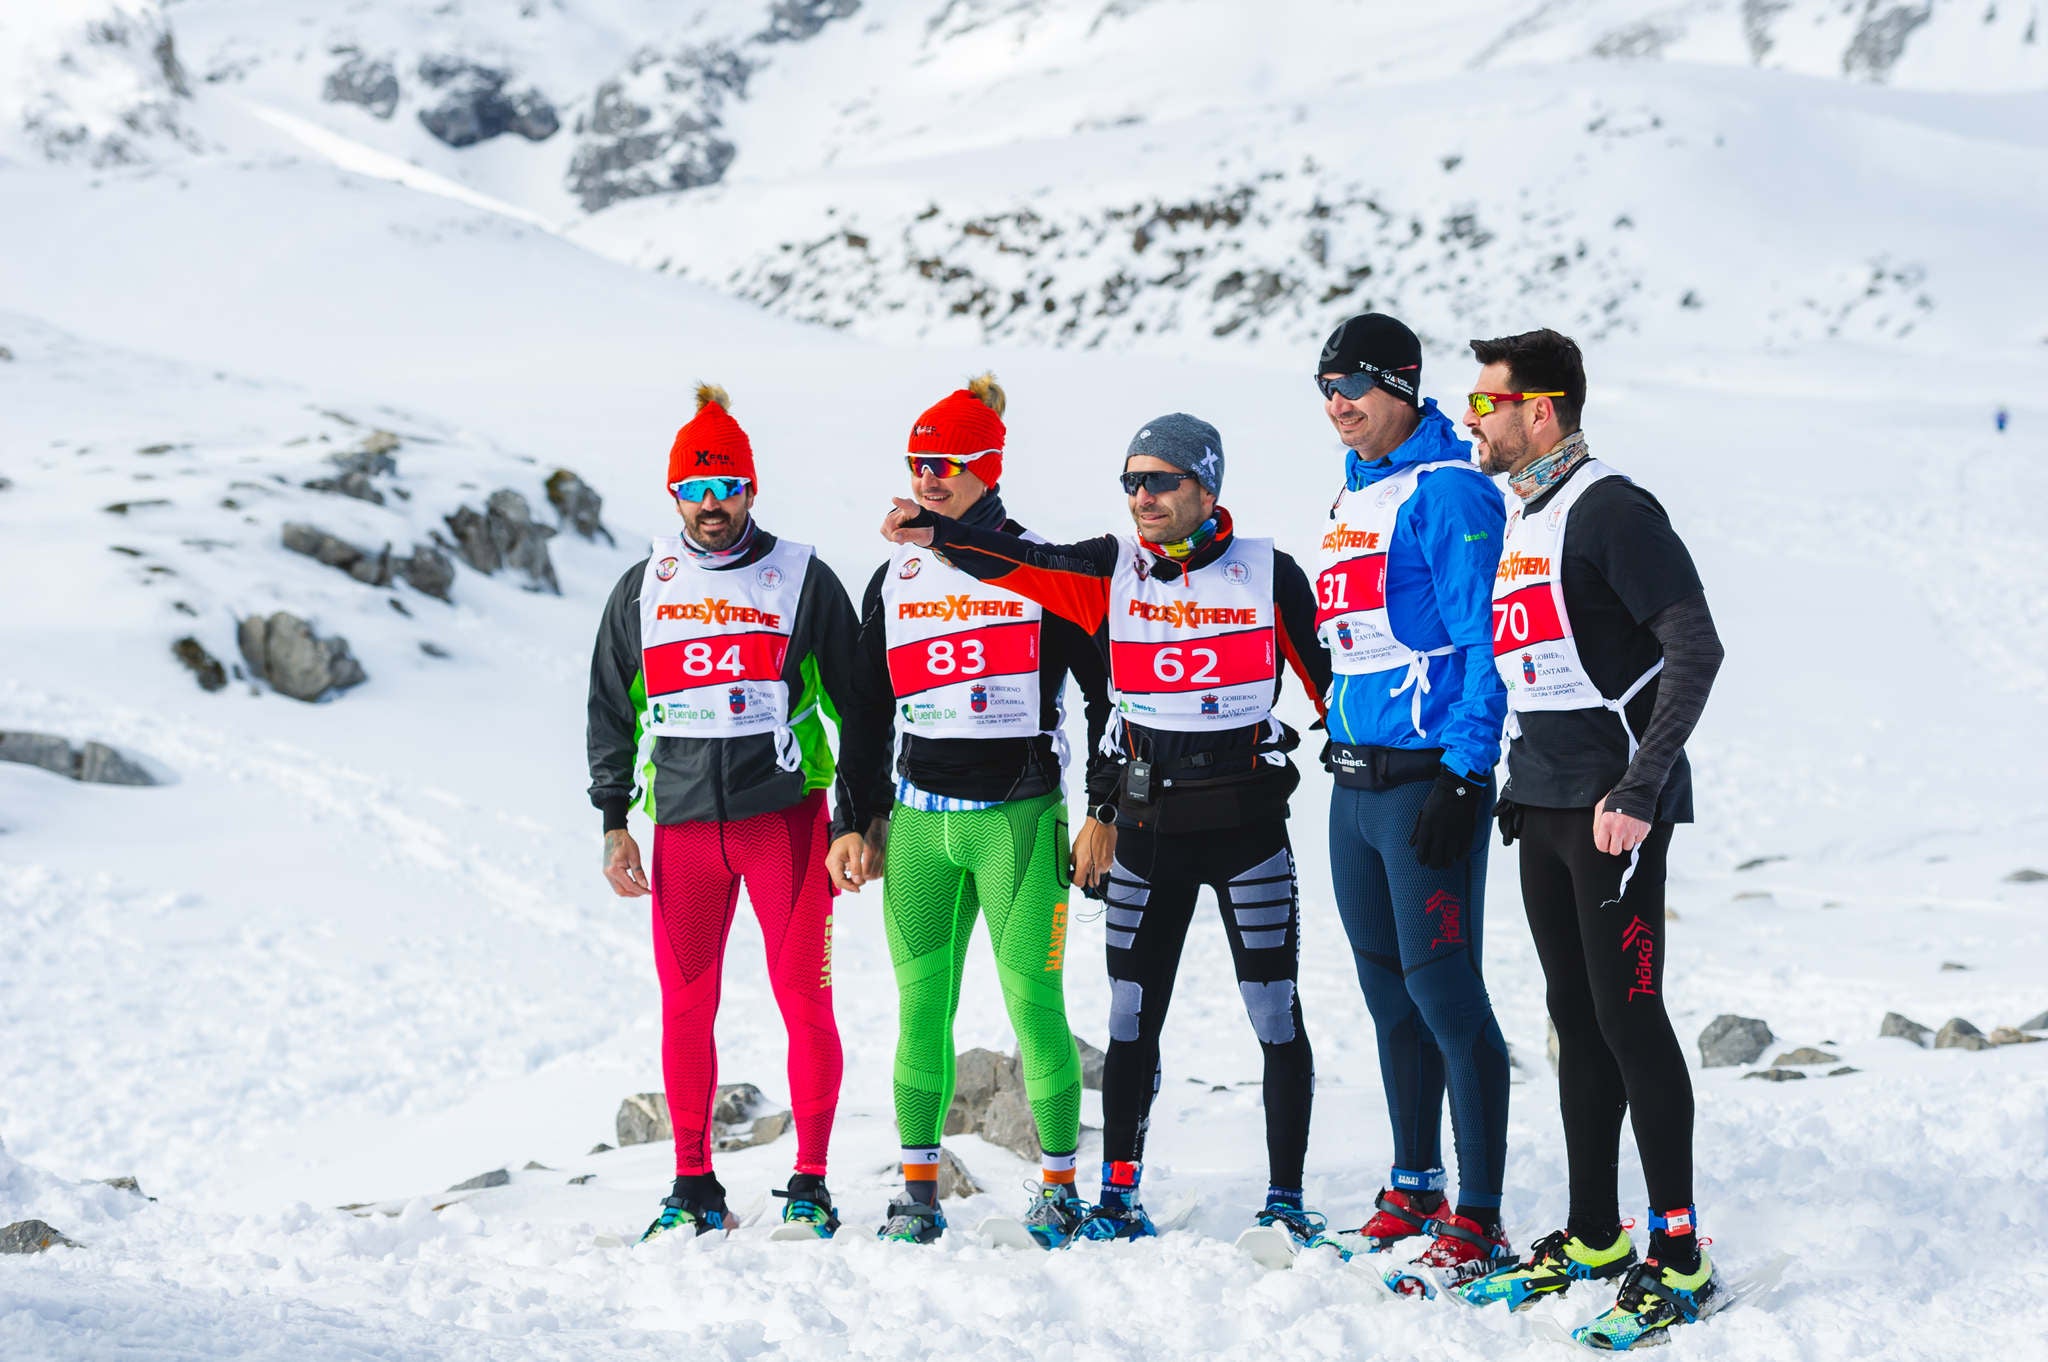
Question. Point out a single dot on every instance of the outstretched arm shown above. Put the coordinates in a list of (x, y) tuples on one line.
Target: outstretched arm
[(1071, 580)]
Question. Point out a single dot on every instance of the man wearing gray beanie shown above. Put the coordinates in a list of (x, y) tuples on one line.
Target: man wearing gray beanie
[(1196, 622)]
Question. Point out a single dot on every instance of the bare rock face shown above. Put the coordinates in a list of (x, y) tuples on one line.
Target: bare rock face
[(792, 21), (428, 571), (1905, 1028), (360, 80), (474, 104), (643, 1119), (371, 569), (1958, 1034), (497, 1177), (32, 1236), (989, 1098), (283, 650), (655, 128), (578, 504), (505, 535), (741, 1117), (955, 1181), (99, 764), (93, 764), (1776, 1075), (1806, 1054), (1730, 1040)]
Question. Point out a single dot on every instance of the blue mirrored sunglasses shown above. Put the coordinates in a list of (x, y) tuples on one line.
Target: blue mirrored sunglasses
[(696, 489)]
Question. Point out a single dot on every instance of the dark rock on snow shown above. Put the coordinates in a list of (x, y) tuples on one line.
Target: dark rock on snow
[(1776, 1075), (204, 666), (497, 1177), (32, 1236), (1905, 1028), (577, 503), (1806, 1054), (283, 649), (93, 764), (1730, 1040), (474, 105), (505, 535), (642, 1119), (1958, 1034), (359, 80)]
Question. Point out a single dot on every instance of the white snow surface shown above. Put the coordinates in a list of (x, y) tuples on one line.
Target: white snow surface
[(357, 951)]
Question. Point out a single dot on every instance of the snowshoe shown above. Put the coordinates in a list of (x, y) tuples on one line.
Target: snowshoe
[(1461, 1252), (1395, 1217), (1117, 1222), (700, 1213), (912, 1222), (1282, 1230), (1654, 1300), (1051, 1221), (809, 1213), (1555, 1261)]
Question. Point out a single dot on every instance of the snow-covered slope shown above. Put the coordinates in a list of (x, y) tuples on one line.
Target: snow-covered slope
[(356, 951)]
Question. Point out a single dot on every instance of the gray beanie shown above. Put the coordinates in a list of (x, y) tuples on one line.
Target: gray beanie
[(1187, 442)]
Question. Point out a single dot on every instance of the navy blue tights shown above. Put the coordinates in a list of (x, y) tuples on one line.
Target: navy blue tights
[(1415, 937)]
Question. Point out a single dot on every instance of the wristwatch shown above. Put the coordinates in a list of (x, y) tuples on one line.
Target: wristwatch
[(1104, 813)]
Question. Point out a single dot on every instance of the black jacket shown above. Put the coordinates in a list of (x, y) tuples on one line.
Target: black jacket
[(1200, 780), (700, 780)]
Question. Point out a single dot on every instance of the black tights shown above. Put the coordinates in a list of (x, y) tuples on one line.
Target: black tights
[(1603, 962), (1151, 896)]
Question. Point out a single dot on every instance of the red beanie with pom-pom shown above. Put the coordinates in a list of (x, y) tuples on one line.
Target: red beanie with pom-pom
[(712, 445), (966, 421)]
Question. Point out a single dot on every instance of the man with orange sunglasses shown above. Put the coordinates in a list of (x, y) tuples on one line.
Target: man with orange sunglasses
[(969, 676), (1603, 639)]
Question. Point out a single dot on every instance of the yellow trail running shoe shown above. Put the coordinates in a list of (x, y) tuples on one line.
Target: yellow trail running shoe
[(1654, 1300), (1555, 1261)]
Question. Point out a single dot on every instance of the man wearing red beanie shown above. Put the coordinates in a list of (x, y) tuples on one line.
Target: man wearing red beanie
[(971, 676), (714, 660)]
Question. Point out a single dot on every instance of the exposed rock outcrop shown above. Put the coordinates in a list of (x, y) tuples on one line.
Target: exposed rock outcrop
[(473, 104), (283, 649), (93, 764), (372, 83)]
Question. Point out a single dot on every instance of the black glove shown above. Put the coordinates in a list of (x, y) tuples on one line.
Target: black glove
[(1443, 830), (1508, 814)]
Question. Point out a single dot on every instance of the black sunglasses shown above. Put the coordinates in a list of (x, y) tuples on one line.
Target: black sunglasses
[(1156, 481), (1353, 386)]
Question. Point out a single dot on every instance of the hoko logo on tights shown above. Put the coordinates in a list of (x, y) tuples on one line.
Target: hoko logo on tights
[(1450, 918), (1638, 937)]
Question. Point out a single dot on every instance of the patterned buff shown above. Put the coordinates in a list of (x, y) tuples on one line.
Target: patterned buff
[(1188, 547), (717, 558), (1552, 469)]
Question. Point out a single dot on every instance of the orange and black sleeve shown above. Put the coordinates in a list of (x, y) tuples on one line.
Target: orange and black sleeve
[(1070, 580)]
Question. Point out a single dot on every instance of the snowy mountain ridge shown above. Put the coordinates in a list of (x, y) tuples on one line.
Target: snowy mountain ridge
[(1193, 172)]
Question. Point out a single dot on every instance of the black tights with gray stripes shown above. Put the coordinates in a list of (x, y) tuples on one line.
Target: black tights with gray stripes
[(1151, 896)]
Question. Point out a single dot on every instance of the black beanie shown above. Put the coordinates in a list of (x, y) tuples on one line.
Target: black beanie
[(1375, 341)]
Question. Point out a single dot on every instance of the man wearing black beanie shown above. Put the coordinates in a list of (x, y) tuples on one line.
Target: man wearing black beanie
[(1403, 604)]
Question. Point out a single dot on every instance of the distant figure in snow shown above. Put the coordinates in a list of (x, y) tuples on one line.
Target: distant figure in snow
[(2003, 417), (716, 647)]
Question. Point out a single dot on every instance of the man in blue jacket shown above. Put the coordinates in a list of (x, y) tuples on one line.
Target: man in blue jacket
[(1404, 601)]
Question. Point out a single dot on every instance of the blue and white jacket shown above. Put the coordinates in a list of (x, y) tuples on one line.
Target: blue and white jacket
[(1440, 566)]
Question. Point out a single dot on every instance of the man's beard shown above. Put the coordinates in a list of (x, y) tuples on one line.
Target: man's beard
[(718, 535), (1496, 458)]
